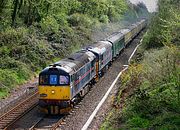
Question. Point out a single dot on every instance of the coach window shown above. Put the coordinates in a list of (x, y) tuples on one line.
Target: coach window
[(63, 80)]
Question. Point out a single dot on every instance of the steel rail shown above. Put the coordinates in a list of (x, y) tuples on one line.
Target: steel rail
[(34, 126), (11, 116)]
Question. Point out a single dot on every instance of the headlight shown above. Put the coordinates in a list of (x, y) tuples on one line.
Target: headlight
[(52, 91)]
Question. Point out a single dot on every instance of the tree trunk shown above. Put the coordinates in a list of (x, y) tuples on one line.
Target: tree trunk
[(16, 2), (20, 5), (1, 5)]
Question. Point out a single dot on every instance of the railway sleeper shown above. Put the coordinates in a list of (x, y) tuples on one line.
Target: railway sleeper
[(10, 118), (17, 113), (4, 122)]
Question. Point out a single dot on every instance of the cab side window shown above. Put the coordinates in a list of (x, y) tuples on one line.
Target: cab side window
[(63, 80), (43, 79)]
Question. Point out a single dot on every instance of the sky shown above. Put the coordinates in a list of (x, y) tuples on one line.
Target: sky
[(150, 4)]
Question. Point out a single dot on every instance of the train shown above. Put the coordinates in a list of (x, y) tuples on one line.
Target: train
[(63, 83)]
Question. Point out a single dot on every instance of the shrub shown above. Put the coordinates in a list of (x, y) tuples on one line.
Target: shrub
[(49, 25), (61, 19), (8, 78), (11, 37), (138, 122), (104, 19), (80, 20)]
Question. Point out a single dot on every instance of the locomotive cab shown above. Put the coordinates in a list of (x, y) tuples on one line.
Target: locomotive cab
[(51, 83), (54, 87)]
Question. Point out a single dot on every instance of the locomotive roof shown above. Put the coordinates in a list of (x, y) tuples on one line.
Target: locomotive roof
[(115, 37), (143, 20), (99, 47), (72, 63), (124, 31), (132, 26)]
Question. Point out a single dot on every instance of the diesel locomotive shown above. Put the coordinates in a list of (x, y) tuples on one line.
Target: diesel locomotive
[(64, 82)]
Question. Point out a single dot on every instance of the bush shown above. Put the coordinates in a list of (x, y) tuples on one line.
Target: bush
[(138, 122), (11, 37), (104, 19), (4, 51), (8, 78), (80, 20), (61, 19), (49, 25)]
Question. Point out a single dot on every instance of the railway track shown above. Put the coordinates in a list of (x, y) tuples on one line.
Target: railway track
[(18, 111), (52, 124), (35, 125)]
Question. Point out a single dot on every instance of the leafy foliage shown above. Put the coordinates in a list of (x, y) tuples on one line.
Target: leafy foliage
[(164, 28), (158, 95)]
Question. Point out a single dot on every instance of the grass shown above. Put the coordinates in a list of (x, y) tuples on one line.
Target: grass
[(3, 94), (107, 123)]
